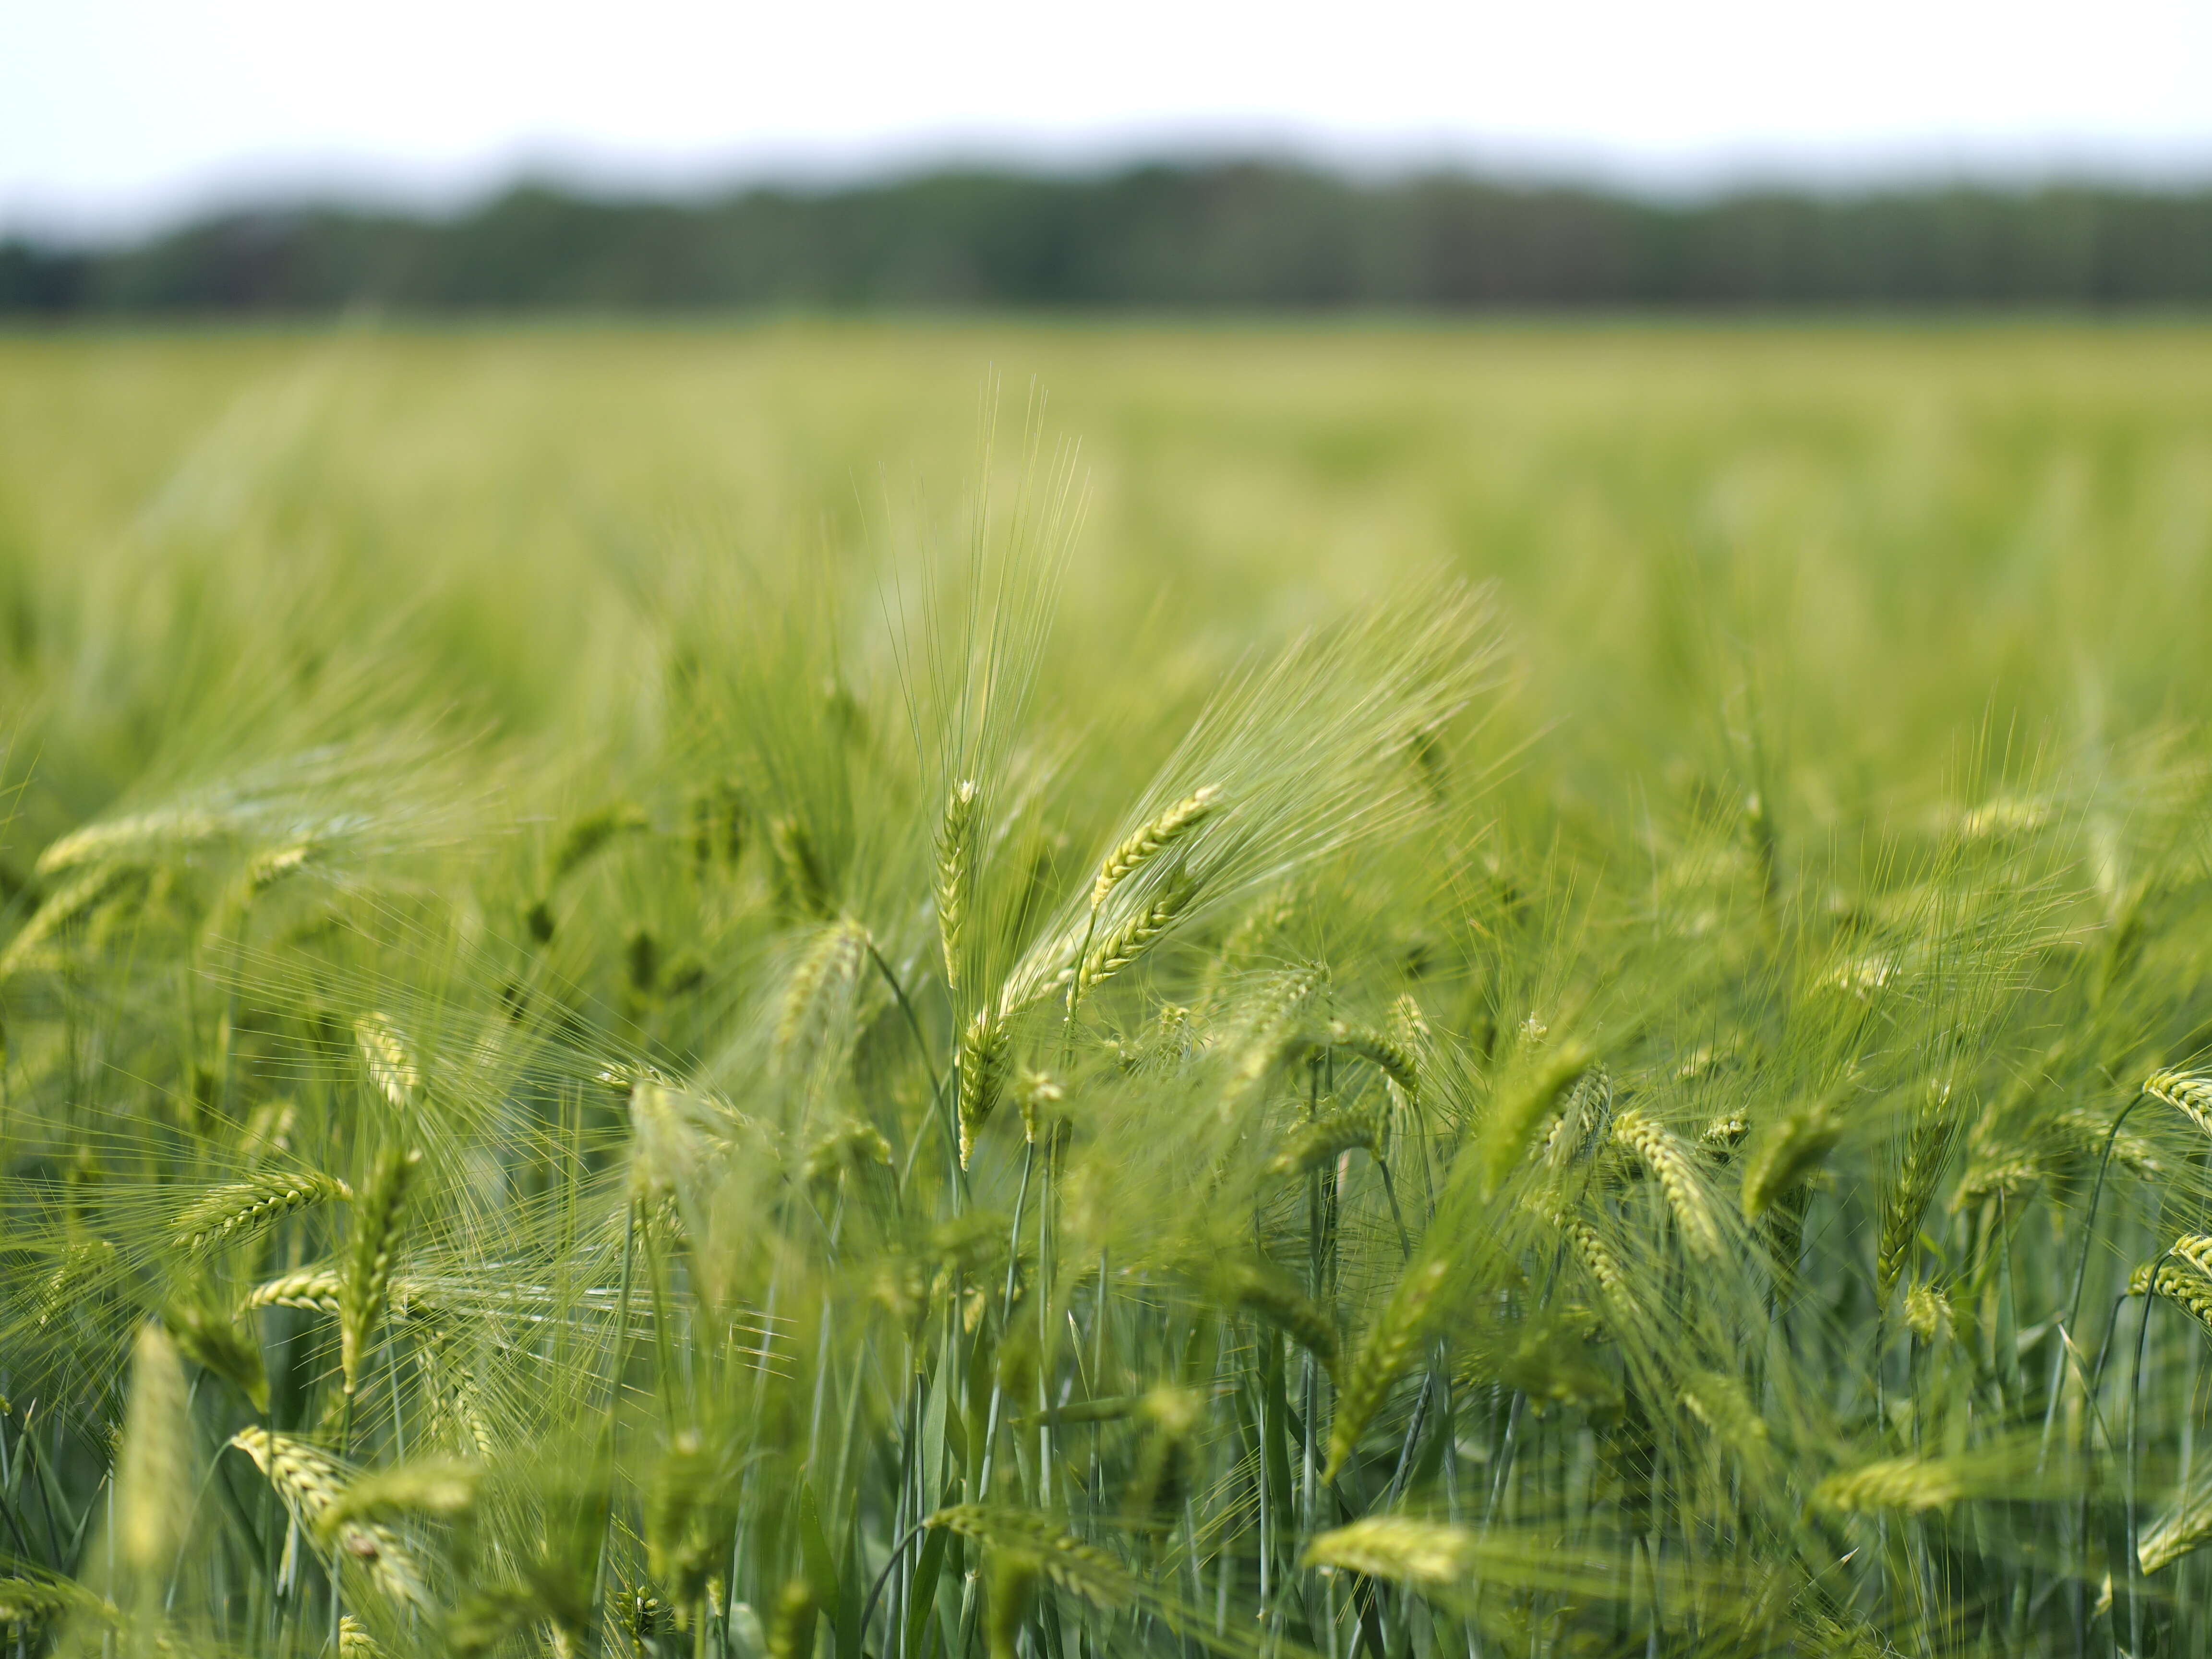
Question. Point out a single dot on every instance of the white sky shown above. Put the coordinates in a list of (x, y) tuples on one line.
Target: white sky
[(115, 114)]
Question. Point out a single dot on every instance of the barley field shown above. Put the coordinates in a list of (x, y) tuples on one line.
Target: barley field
[(1049, 992)]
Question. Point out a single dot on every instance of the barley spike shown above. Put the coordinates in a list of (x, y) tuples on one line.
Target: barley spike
[(1149, 840)]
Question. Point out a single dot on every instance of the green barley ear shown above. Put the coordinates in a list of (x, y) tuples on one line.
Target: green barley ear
[(244, 1210), (1928, 1312), (354, 1642), (1530, 1087), (1010, 1584), (1724, 1406), (443, 1486), (2183, 1275), (791, 1636), (1039, 1095), (313, 1290), (822, 986), (30, 1598), (1786, 1153), (457, 1414), (306, 1478), (1599, 1262), (984, 1048), (365, 1287), (2181, 1531), (390, 1061), (801, 880), (1129, 940), (2188, 1092), (154, 1482), (1395, 1059), (1998, 1174), (311, 1483), (1670, 1161), (1272, 1296), (2089, 1132), (1583, 1123), (1928, 1146), (1321, 1140), (851, 1148), (1149, 840), (489, 1614), (1162, 1479), (1909, 1484), (718, 821), (1389, 1344), (677, 1550), (1081, 1569), (67, 903), (1409, 1033), (595, 830), (1397, 1547), (216, 1344), (955, 875), (1272, 1026)]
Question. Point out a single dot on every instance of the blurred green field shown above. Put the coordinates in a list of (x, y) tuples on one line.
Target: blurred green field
[(1902, 533), (1642, 1090)]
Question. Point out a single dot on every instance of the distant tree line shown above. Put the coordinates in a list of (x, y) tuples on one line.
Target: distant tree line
[(1226, 236)]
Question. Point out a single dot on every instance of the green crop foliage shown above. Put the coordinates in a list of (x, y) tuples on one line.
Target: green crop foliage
[(721, 993)]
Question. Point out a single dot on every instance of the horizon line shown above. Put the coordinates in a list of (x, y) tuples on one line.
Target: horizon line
[(373, 185)]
